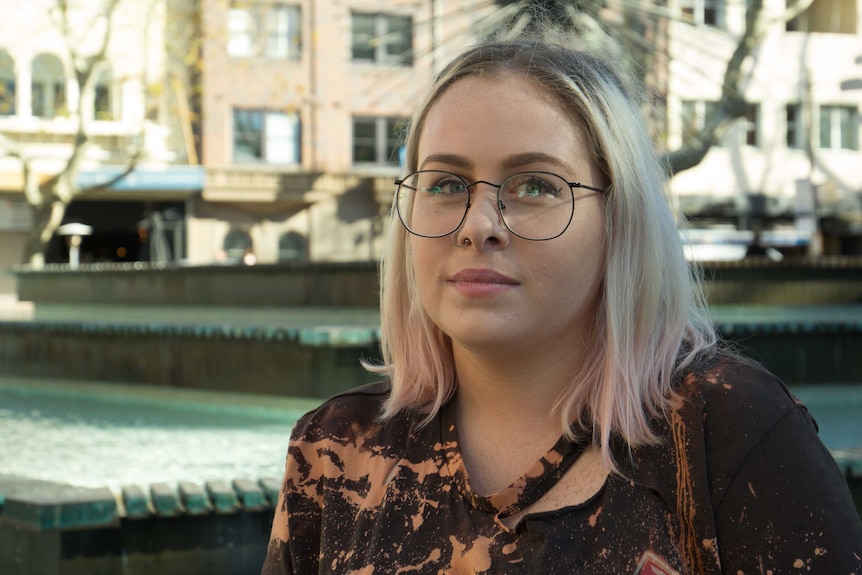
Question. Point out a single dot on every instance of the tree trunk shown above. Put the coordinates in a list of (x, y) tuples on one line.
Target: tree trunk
[(47, 217), (732, 104)]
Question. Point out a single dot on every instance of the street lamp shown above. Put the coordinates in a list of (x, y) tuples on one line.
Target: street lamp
[(73, 233)]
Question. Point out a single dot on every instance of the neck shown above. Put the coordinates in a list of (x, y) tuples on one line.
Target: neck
[(503, 388), (504, 415)]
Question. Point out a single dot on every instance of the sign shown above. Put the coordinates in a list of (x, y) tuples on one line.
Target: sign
[(167, 179)]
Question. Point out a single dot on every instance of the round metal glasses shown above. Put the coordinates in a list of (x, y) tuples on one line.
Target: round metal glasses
[(534, 206)]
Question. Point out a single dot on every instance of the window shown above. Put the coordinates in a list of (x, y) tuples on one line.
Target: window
[(751, 125), (237, 244), (270, 137), (7, 84), (241, 32), (838, 127), (824, 16), (382, 39), (102, 105), (292, 247), (283, 32), (795, 127), (269, 31), (377, 140), (706, 12), (48, 95)]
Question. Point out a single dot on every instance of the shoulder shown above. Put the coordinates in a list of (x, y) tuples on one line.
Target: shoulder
[(774, 489), (741, 464), (352, 419), (735, 393), (360, 397), (738, 404), (746, 420), (357, 407), (725, 409)]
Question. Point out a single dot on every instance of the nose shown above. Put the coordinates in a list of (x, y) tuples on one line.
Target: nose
[(483, 225)]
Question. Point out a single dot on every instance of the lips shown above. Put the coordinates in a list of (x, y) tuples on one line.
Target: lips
[(482, 276)]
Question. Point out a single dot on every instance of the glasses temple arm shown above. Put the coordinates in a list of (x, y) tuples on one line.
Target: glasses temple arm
[(586, 187)]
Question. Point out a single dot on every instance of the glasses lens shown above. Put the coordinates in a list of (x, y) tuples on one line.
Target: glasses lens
[(432, 204), (536, 205)]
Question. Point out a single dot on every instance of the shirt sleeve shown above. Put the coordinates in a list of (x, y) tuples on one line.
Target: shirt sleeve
[(278, 557), (297, 519), (320, 459), (788, 509)]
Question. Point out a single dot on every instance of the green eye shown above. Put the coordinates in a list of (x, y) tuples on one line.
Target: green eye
[(535, 187), (447, 188)]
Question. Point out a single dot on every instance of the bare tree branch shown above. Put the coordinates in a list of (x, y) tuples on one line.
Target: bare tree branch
[(732, 104), (48, 199)]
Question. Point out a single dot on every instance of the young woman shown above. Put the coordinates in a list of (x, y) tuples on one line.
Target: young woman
[(555, 401)]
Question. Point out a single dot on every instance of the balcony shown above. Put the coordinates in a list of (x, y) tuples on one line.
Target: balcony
[(263, 183)]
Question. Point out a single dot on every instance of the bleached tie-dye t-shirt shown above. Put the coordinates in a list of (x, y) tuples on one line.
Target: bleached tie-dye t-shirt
[(740, 485)]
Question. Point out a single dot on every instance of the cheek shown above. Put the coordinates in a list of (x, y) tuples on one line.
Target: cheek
[(424, 272), (581, 263)]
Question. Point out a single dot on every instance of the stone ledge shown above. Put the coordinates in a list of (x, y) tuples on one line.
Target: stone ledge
[(137, 506), (311, 337), (818, 263), (172, 268), (43, 505), (222, 496), (194, 498), (188, 498), (737, 329), (360, 337)]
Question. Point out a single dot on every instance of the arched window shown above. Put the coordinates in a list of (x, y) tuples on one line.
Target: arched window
[(49, 86), (292, 247), (103, 102), (7, 84), (237, 244)]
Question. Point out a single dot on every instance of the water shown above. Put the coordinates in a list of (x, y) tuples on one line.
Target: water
[(838, 412), (106, 436), (101, 435)]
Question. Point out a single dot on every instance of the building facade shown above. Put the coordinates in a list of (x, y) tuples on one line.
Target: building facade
[(272, 128), (792, 165), (137, 100), (304, 103)]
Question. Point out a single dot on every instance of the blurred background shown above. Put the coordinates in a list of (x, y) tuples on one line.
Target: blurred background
[(192, 204)]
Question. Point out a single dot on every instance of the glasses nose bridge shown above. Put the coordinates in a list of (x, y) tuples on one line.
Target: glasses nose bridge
[(472, 190), (487, 183)]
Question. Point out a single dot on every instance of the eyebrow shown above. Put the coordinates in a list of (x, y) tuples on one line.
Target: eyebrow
[(448, 159), (525, 159), (510, 162)]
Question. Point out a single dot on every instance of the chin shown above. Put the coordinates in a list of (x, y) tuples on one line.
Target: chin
[(483, 340)]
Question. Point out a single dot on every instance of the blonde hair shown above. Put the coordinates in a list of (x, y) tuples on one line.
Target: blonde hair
[(651, 321)]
